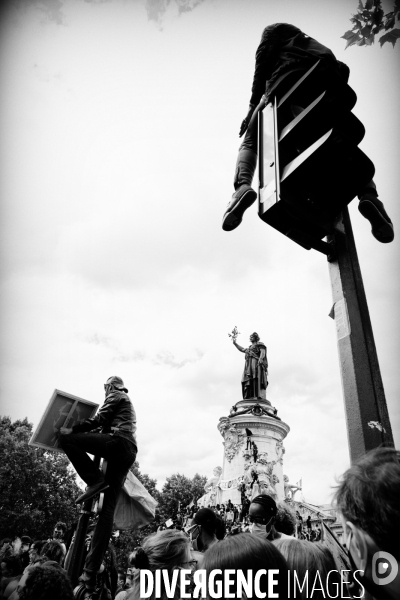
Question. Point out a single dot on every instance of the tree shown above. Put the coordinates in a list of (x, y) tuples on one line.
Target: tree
[(198, 483), (369, 21), (178, 491), (37, 488)]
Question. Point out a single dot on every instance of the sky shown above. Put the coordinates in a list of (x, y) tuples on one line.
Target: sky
[(119, 134)]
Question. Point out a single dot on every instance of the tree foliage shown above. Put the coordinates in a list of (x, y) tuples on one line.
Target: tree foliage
[(37, 488), (371, 20), (178, 491)]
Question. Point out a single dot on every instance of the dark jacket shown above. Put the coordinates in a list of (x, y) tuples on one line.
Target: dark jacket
[(285, 48), (117, 416)]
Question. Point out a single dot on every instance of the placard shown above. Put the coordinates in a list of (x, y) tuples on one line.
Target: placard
[(63, 410)]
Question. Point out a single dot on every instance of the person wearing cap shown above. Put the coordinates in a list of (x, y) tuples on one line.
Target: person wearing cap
[(117, 444), (262, 515)]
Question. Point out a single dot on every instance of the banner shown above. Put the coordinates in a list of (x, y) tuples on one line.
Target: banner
[(230, 484)]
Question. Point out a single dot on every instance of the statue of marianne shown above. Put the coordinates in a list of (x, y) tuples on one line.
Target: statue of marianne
[(255, 373)]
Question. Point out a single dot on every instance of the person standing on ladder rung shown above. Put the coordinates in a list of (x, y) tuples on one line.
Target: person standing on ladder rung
[(117, 444)]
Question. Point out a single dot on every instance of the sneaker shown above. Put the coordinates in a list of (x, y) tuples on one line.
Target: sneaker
[(372, 209), (244, 197), (92, 491)]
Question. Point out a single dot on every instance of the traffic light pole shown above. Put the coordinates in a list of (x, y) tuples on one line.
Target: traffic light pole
[(367, 417)]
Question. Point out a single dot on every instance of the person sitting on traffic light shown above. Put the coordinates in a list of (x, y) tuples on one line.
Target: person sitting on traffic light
[(285, 49), (368, 502)]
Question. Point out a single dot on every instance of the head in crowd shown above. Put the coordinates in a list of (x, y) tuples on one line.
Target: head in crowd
[(168, 549), (310, 558), (204, 528), (59, 531), (220, 528), (35, 550), (262, 514), (285, 520), (368, 500), (53, 551), (25, 543), (121, 577), (246, 552), (6, 548), (45, 583)]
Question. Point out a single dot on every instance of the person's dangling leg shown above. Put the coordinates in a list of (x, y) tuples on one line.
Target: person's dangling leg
[(121, 456), (244, 195), (372, 209)]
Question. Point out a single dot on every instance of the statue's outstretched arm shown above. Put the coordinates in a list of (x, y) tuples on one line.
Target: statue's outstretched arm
[(238, 347)]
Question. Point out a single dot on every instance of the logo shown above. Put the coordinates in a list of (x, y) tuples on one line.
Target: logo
[(384, 568)]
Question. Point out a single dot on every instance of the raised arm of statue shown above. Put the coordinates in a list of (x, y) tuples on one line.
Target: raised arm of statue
[(238, 347)]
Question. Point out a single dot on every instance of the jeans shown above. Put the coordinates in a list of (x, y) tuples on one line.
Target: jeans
[(120, 454)]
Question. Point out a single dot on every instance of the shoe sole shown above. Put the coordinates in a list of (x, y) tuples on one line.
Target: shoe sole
[(83, 497), (381, 229), (234, 217)]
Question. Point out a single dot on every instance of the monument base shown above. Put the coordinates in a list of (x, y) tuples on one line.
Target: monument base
[(253, 450)]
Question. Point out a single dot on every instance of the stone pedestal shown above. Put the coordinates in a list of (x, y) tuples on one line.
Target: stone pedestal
[(258, 456)]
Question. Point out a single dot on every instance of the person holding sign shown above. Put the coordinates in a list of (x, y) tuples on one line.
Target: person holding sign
[(117, 444)]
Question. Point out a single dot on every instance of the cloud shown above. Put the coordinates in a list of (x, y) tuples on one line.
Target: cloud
[(49, 10), (156, 9)]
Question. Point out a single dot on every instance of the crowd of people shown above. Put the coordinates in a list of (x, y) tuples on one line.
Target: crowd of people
[(18, 557), (234, 519), (266, 540)]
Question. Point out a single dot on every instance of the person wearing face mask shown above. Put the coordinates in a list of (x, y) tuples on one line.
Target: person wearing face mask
[(368, 500), (262, 515), (203, 533)]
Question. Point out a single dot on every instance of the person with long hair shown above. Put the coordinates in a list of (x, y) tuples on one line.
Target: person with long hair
[(314, 563), (169, 550), (246, 552), (52, 551), (35, 550)]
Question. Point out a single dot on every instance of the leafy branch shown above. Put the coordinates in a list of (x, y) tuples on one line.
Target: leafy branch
[(234, 333), (369, 21)]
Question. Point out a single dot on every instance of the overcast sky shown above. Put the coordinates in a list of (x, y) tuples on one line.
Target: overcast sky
[(119, 135)]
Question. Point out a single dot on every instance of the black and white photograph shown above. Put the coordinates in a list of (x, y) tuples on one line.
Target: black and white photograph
[(200, 246)]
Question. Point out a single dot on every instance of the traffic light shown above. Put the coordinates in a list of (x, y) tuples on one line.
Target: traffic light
[(310, 163)]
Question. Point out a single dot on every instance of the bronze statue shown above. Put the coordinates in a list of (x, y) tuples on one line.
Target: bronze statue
[(255, 373)]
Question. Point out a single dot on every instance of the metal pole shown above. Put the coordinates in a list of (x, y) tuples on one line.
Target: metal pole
[(367, 418), (74, 567)]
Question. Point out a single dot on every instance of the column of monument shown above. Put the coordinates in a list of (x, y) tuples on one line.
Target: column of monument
[(253, 435)]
